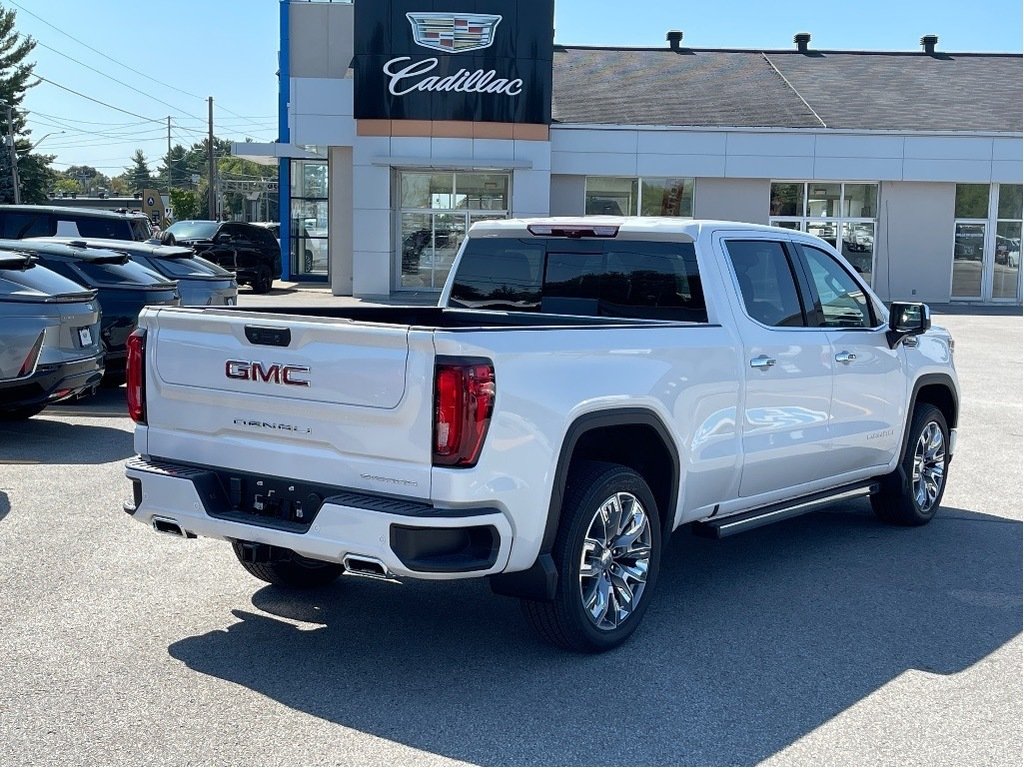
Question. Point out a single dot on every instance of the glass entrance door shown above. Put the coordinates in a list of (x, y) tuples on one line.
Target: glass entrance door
[(986, 243)]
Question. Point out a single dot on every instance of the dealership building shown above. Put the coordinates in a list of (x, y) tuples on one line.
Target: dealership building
[(403, 122)]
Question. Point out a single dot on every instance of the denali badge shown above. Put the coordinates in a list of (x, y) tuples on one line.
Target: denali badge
[(275, 373), (453, 32)]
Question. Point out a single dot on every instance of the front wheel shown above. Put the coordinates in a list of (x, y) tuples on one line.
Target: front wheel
[(607, 553), (911, 495), (296, 572)]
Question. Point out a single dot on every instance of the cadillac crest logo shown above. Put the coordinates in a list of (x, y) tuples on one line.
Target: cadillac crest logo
[(453, 32)]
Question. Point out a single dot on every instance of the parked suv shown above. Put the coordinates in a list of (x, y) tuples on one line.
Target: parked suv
[(123, 289), (249, 251), (200, 282), (49, 337), (21, 221)]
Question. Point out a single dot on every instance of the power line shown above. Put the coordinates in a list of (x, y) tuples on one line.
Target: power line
[(119, 63), (90, 98), (101, 53), (114, 79)]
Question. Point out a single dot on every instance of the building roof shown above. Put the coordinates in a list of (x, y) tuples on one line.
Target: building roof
[(788, 89)]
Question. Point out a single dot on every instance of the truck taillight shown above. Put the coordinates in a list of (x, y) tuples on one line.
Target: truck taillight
[(463, 402), (136, 376)]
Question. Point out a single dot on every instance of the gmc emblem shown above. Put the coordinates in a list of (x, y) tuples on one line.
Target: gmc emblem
[(275, 373)]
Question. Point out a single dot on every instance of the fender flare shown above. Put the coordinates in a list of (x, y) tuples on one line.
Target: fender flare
[(540, 580), (927, 380)]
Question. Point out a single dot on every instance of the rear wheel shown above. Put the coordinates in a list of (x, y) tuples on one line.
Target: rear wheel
[(20, 414), (296, 572), (262, 282), (606, 553), (911, 495)]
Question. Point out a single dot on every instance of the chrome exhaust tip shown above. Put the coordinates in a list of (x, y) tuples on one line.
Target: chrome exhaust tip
[(367, 567), (167, 525)]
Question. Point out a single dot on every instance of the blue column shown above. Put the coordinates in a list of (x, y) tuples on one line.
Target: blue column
[(284, 187)]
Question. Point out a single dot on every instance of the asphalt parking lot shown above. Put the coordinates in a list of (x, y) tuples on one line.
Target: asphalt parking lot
[(823, 640)]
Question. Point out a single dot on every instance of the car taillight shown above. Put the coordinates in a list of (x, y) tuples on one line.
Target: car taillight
[(136, 376), (463, 401), (33, 357)]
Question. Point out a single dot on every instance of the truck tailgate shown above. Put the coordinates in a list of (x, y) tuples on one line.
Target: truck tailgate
[(327, 400)]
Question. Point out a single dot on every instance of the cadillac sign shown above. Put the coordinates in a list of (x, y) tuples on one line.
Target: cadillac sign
[(480, 67)]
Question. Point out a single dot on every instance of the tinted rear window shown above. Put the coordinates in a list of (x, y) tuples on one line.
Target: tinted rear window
[(609, 278), (37, 278), (112, 273), (187, 267)]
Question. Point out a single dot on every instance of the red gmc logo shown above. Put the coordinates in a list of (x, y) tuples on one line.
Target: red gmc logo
[(275, 373)]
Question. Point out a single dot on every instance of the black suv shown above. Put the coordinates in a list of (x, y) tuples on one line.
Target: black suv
[(249, 251), (21, 221)]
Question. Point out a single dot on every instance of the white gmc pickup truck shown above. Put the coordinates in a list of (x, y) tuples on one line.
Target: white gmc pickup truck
[(585, 387)]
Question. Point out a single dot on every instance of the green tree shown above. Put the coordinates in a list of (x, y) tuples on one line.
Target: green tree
[(138, 173), (175, 172), (185, 204), (67, 186), (35, 176)]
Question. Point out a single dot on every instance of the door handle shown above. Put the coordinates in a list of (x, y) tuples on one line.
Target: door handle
[(762, 362), (845, 357)]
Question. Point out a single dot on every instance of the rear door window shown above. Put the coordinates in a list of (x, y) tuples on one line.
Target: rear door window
[(767, 282)]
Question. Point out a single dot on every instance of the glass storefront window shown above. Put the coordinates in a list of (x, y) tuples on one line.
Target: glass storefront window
[(1010, 201), (842, 214), (647, 196), (436, 211), (968, 251), (787, 200), (309, 214), (972, 201), (666, 197), (823, 200), (610, 196)]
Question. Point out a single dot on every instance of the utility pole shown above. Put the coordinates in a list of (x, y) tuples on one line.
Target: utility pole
[(14, 155), (213, 170), (170, 170)]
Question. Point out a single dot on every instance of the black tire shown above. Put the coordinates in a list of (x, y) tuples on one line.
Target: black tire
[(21, 413), (912, 494), (297, 572), (263, 282), (565, 621)]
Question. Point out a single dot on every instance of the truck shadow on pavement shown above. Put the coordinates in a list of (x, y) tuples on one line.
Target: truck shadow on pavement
[(47, 439), (5, 505), (750, 643)]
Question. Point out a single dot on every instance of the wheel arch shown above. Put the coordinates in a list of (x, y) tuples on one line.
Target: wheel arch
[(936, 389), (634, 437)]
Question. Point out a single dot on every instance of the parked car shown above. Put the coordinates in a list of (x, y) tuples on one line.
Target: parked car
[(123, 289), (200, 282), (274, 227), (638, 376), (250, 252), (22, 221), (50, 346)]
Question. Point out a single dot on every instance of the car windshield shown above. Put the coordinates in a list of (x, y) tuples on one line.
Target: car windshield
[(142, 229), (193, 230)]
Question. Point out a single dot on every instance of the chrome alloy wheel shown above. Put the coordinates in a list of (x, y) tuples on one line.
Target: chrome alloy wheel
[(615, 559), (929, 466)]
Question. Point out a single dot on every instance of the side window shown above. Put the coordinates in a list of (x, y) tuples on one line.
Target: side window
[(843, 302), (766, 282), (18, 225), (103, 227)]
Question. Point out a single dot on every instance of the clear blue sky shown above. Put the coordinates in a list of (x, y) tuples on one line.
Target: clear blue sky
[(228, 49)]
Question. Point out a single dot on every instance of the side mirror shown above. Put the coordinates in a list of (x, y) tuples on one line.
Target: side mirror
[(907, 319)]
